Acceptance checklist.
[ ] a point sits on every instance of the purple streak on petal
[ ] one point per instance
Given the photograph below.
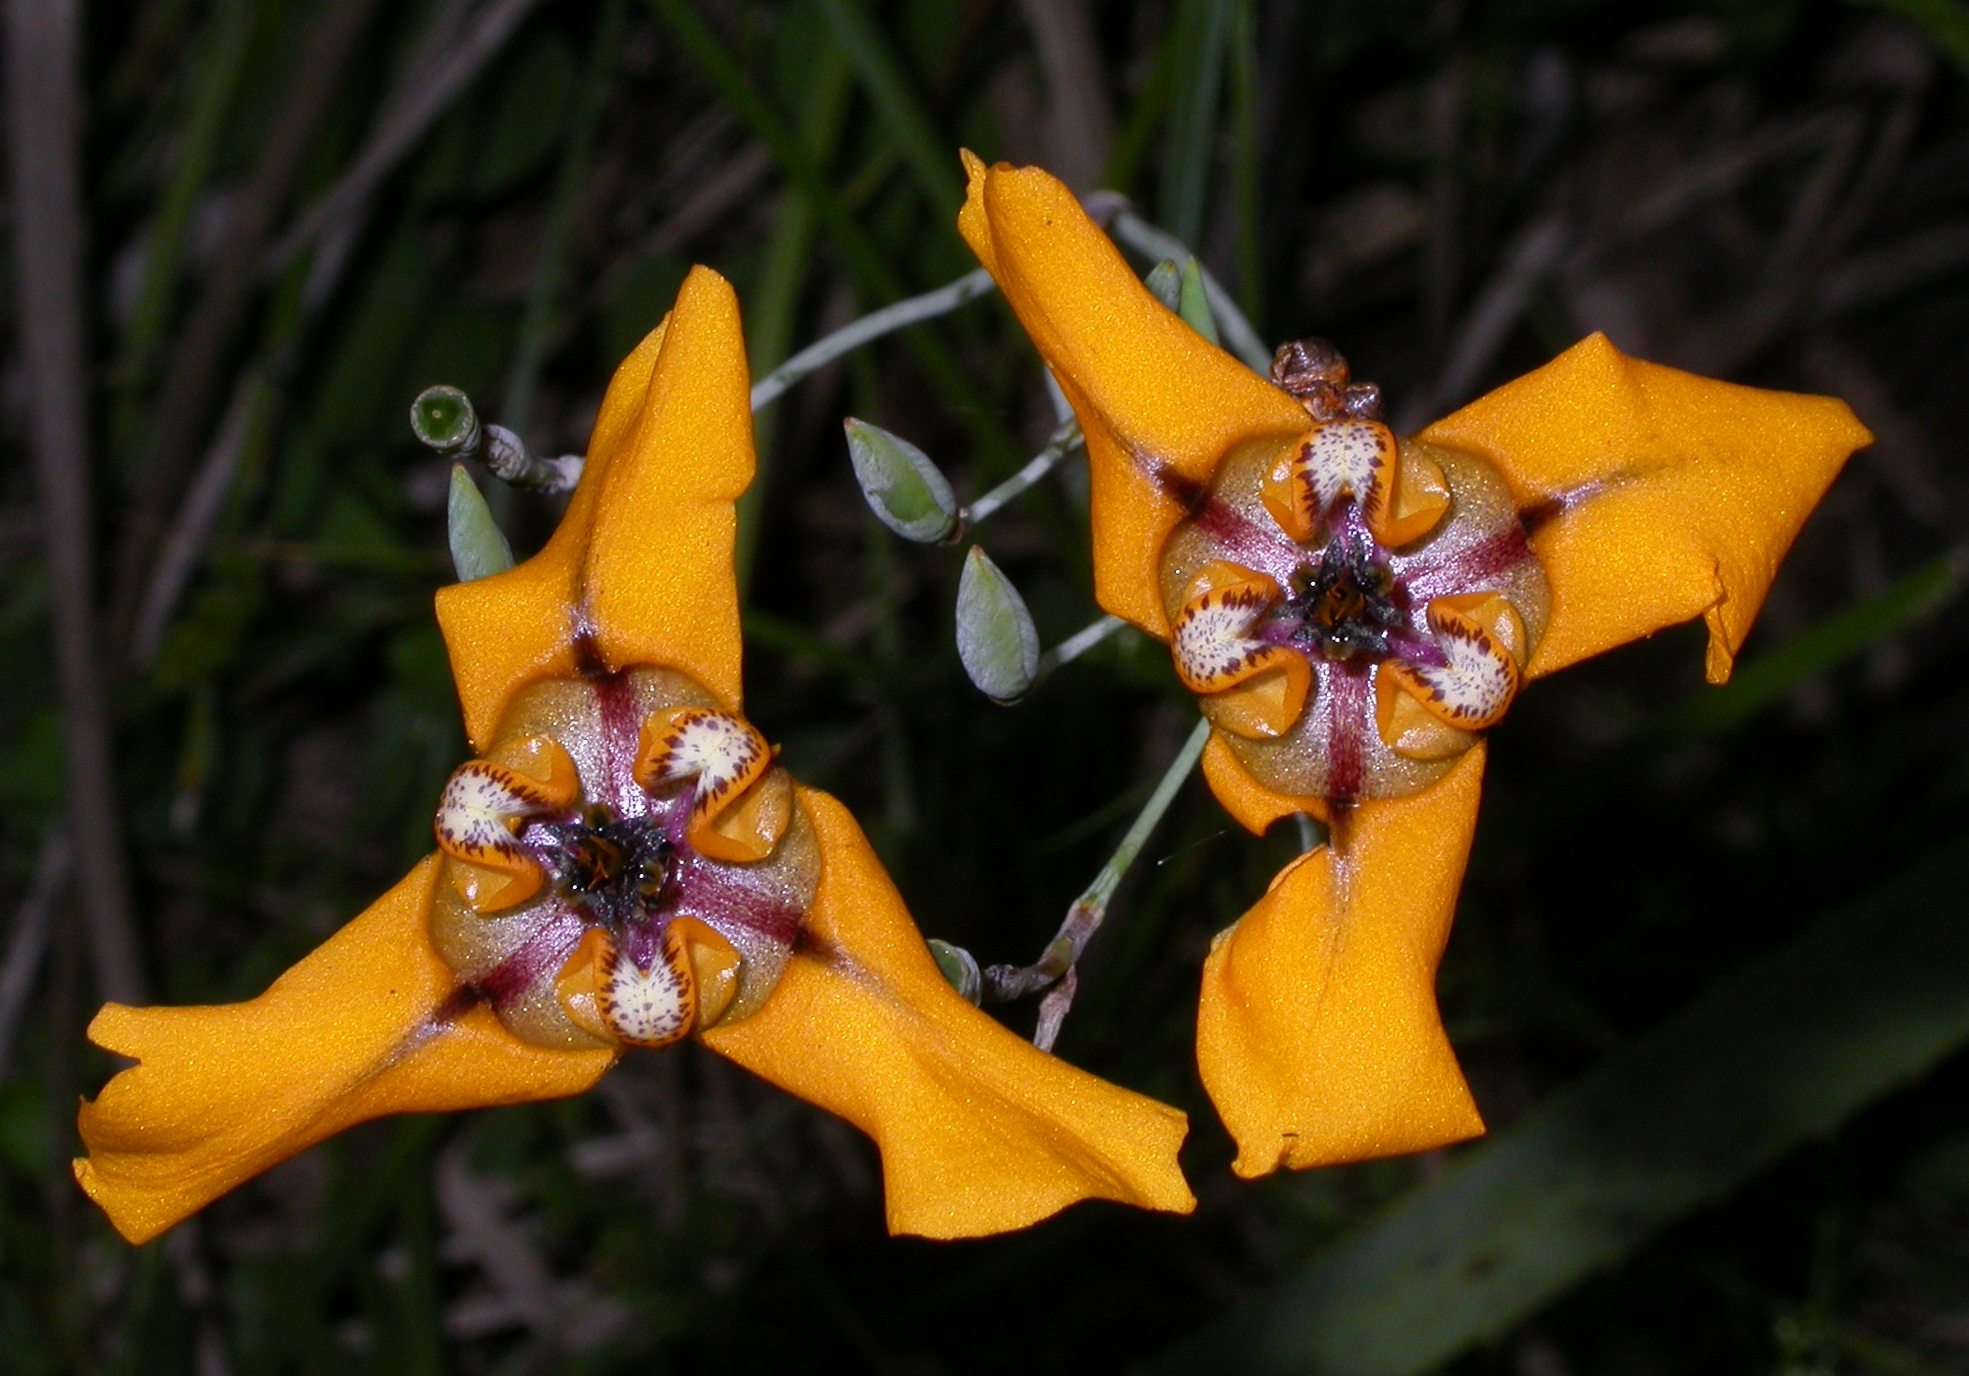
(620, 735)
(1241, 540)
(1471, 568)
(1346, 719)
(540, 957)
(721, 896)
(1418, 648)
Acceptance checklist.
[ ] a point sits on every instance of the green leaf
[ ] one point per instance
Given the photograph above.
(478, 548)
(932, 161)
(1201, 37)
(1193, 303)
(995, 635)
(905, 490)
(1766, 1061)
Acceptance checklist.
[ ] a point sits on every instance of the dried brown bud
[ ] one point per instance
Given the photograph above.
(1314, 371)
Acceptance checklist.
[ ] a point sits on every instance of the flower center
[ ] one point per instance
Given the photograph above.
(611, 865)
(1352, 609)
(1345, 605)
(625, 866)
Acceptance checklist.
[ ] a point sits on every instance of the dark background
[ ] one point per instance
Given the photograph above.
(1768, 191)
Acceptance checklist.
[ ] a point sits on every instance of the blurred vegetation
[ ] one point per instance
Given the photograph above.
(1708, 976)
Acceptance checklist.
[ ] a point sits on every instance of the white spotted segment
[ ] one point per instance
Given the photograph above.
(479, 811)
(1213, 651)
(482, 809)
(654, 1006)
(722, 752)
(1342, 458)
(1474, 689)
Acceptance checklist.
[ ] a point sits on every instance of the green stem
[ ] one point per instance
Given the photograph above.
(872, 326)
(1064, 441)
(1005, 982)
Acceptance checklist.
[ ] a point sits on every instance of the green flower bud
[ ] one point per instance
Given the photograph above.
(995, 635)
(904, 489)
(478, 548)
(443, 418)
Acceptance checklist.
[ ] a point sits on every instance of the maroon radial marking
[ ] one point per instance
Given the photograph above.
(1347, 717)
(714, 894)
(621, 734)
(539, 957)
(1466, 569)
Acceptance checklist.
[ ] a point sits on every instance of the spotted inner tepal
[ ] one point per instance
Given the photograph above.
(1353, 609)
(626, 865)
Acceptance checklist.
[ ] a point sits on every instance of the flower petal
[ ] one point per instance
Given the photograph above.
(1318, 1035)
(1653, 495)
(979, 1132)
(641, 565)
(1251, 805)
(371, 1023)
(1159, 405)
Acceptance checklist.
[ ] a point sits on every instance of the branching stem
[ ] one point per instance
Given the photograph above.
(888, 320)
(1063, 442)
(1056, 964)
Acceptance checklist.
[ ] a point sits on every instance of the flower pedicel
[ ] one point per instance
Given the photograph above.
(625, 865)
(1353, 610)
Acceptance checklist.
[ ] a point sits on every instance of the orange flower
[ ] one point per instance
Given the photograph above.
(625, 865)
(1353, 610)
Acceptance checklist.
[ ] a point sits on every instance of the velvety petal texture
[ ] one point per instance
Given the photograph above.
(979, 1131)
(639, 568)
(1652, 495)
(1318, 1035)
(369, 1024)
(1160, 405)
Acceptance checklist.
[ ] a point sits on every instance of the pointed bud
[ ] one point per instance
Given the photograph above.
(478, 548)
(906, 491)
(1194, 303)
(960, 967)
(443, 418)
(995, 635)
(1165, 283)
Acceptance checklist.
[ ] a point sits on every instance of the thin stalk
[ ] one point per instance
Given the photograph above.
(1152, 242)
(44, 119)
(874, 325)
(1005, 982)
(1077, 644)
(1064, 441)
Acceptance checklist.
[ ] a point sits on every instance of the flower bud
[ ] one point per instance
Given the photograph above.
(478, 548)
(1193, 303)
(960, 967)
(995, 635)
(904, 489)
